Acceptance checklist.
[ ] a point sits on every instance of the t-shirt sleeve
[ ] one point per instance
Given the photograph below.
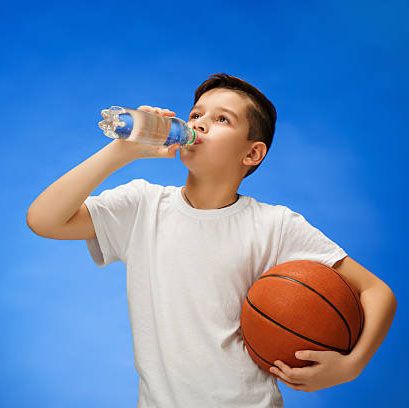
(113, 213)
(300, 240)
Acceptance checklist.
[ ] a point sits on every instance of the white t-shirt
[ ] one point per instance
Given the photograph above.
(188, 273)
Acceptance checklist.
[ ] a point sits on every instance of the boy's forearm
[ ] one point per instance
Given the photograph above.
(61, 200)
(379, 304)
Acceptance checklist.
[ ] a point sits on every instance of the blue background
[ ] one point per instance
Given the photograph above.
(337, 72)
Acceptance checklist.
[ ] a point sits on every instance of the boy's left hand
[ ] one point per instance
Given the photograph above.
(330, 368)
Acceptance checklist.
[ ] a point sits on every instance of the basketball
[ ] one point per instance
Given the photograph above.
(299, 305)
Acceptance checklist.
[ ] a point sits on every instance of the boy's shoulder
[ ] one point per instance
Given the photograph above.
(268, 206)
(274, 207)
(269, 210)
(142, 184)
(151, 185)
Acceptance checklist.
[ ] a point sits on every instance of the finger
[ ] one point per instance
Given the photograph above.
(311, 355)
(170, 151)
(174, 148)
(285, 379)
(146, 108)
(297, 387)
(281, 375)
(283, 367)
(297, 374)
(164, 112)
(286, 372)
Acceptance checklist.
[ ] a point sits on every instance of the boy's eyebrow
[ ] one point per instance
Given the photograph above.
(220, 108)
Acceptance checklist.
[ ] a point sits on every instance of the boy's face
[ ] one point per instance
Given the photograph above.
(223, 135)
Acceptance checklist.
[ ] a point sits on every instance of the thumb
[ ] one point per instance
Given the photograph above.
(173, 149)
(309, 355)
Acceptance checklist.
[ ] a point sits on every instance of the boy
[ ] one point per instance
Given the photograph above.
(193, 252)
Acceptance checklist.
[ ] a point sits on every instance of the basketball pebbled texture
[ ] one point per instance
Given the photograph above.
(299, 305)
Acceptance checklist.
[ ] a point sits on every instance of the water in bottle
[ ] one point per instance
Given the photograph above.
(145, 127)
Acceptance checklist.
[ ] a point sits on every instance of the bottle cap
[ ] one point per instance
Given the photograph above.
(194, 137)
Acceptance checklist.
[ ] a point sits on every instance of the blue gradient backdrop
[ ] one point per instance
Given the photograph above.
(337, 72)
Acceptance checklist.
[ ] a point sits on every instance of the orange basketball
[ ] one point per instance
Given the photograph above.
(299, 305)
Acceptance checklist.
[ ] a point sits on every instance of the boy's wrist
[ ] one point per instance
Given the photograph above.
(124, 151)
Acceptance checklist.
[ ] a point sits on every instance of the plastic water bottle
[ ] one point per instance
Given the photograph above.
(145, 127)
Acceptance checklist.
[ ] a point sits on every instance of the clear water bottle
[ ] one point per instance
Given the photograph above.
(145, 127)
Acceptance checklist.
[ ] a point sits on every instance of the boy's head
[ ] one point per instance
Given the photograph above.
(227, 140)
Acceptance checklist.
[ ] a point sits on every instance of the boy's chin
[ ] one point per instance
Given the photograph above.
(187, 153)
(188, 148)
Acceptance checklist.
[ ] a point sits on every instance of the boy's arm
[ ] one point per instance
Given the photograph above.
(58, 212)
(379, 304)
(332, 368)
(56, 205)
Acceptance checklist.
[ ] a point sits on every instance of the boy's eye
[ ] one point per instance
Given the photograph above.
(192, 116)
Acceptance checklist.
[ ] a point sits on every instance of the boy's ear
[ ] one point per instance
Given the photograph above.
(256, 154)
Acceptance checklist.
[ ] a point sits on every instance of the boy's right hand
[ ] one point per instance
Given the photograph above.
(145, 151)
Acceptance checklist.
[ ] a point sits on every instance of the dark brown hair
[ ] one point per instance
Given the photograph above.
(261, 114)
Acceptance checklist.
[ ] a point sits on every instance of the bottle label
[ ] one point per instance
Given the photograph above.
(124, 132)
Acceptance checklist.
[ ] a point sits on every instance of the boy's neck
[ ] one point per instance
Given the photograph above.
(209, 196)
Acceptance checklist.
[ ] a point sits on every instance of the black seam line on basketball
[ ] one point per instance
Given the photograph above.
(293, 332)
(254, 351)
(353, 294)
(321, 296)
(361, 317)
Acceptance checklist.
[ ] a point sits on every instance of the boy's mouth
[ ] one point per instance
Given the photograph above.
(198, 140)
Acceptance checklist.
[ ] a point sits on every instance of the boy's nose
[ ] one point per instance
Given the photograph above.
(198, 127)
